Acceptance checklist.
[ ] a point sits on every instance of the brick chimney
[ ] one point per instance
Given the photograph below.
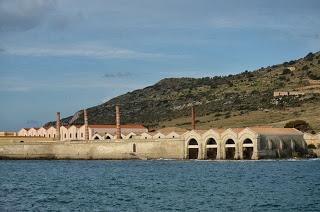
(58, 126)
(118, 122)
(86, 128)
(193, 117)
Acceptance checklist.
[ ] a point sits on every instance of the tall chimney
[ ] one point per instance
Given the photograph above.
(86, 129)
(58, 126)
(193, 121)
(118, 122)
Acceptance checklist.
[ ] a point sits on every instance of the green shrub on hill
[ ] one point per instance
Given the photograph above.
(301, 125)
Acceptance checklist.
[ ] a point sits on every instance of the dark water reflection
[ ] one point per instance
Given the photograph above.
(160, 185)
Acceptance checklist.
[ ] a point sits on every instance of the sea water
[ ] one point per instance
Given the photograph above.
(57, 185)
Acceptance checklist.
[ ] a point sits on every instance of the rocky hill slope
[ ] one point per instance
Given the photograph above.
(221, 101)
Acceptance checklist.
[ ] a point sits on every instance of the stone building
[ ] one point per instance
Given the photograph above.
(244, 143)
(134, 141)
(77, 132)
(312, 139)
(23, 132)
(7, 133)
(32, 132)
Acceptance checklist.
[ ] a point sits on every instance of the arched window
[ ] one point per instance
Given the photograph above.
(65, 135)
(247, 150)
(81, 135)
(230, 141)
(70, 135)
(108, 137)
(193, 149)
(193, 142)
(211, 141)
(247, 141)
(76, 135)
(49, 135)
(134, 148)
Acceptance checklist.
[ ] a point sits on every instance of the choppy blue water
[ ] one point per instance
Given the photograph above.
(160, 185)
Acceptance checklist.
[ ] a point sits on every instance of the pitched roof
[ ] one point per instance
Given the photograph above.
(168, 130)
(219, 130)
(275, 131)
(36, 128)
(200, 131)
(237, 130)
(68, 126)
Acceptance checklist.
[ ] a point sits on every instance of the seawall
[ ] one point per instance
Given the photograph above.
(115, 150)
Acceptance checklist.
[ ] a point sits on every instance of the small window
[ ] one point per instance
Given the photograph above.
(65, 135)
(70, 135)
(173, 136)
(76, 135)
(54, 135)
(81, 135)
(49, 135)
(134, 148)
(145, 137)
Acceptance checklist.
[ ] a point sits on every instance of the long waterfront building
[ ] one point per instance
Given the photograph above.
(77, 132)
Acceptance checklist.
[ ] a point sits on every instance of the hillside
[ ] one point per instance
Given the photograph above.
(222, 101)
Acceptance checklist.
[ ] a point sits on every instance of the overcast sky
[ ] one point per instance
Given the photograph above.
(64, 55)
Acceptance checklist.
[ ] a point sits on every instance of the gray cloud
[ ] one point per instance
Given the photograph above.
(33, 123)
(87, 50)
(24, 15)
(118, 75)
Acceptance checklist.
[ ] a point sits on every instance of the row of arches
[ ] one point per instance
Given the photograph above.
(212, 148)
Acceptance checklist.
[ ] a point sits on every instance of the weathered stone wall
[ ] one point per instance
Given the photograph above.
(317, 152)
(312, 139)
(24, 139)
(169, 149)
(281, 146)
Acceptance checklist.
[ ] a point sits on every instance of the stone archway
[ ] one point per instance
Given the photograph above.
(211, 149)
(230, 149)
(193, 149)
(247, 149)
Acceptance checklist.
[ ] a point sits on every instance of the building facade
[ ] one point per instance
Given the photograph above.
(244, 143)
(77, 132)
